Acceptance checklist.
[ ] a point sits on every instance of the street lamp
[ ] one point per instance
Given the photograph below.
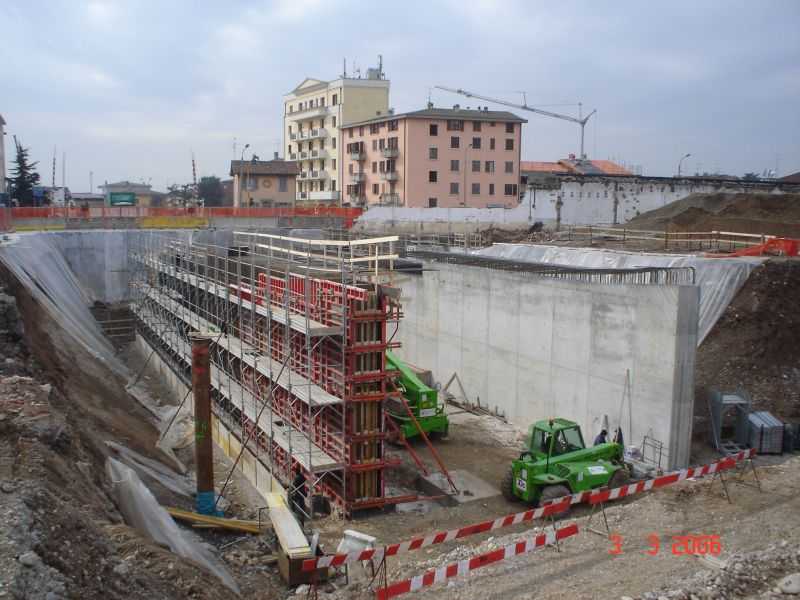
(680, 162)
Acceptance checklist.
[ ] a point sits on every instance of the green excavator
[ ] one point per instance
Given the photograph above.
(422, 400)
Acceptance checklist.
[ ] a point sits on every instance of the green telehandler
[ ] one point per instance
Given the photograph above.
(422, 400)
(557, 463)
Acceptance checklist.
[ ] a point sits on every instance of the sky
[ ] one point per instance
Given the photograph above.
(130, 89)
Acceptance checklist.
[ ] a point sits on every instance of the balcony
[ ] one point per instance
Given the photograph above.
(390, 199)
(390, 152)
(294, 156)
(358, 177)
(311, 134)
(309, 113)
(389, 175)
(312, 175)
(329, 196)
(359, 156)
(318, 153)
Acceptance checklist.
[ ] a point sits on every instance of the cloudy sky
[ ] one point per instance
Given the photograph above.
(130, 89)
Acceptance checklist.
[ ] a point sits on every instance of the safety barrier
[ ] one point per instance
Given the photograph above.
(555, 507)
(463, 567)
(145, 216)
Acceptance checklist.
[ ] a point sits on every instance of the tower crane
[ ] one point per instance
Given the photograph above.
(545, 113)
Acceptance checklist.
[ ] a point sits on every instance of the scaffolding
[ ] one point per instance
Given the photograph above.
(299, 331)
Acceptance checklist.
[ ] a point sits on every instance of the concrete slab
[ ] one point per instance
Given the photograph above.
(470, 487)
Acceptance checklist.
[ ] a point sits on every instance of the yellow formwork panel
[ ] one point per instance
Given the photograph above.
(173, 222)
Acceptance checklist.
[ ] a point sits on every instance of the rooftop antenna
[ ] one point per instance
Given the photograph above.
(430, 100)
(64, 170)
(54, 167)
(344, 68)
(234, 147)
(380, 66)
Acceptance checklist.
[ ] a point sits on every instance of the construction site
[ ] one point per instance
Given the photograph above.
(272, 412)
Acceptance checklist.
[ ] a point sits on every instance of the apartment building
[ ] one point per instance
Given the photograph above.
(314, 113)
(436, 157)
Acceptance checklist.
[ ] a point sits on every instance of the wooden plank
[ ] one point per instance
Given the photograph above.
(290, 535)
(220, 522)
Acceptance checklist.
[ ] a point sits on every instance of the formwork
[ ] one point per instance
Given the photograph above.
(299, 330)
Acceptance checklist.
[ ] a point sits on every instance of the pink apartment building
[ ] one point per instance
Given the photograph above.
(437, 157)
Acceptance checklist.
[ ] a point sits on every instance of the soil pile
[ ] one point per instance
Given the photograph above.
(754, 344)
(744, 213)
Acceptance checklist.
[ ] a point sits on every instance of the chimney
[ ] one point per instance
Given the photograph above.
(430, 105)
(275, 156)
(456, 107)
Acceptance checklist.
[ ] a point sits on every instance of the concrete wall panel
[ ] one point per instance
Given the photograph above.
(538, 347)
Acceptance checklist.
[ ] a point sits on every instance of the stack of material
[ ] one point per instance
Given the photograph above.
(766, 433)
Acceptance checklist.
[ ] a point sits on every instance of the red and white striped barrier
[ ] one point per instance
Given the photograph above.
(604, 495)
(463, 567)
(555, 507)
(377, 554)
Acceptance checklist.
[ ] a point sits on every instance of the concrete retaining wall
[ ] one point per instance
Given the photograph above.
(538, 347)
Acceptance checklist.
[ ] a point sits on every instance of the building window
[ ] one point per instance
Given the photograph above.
(491, 189)
(350, 168)
(374, 167)
(476, 166)
(333, 142)
(333, 185)
(454, 165)
(433, 129)
(509, 128)
(376, 189)
(433, 176)
(381, 143)
(454, 188)
(491, 143)
(510, 144)
(374, 144)
(432, 202)
(290, 129)
(374, 128)
(511, 189)
(455, 125)
(489, 166)
(291, 108)
(333, 121)
(476, 126)
(335, 100)
(350, 132)
(455, 142)
(393, 125)
(476, 143)
(476, 189)
(361, 131)
(333, 163)
(509, 166)
(283, 186)
(433, 153)
(392, 143)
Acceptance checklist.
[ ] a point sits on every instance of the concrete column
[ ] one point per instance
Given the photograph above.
(203, 444)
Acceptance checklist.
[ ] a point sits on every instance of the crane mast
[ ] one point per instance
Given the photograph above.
(545, 113)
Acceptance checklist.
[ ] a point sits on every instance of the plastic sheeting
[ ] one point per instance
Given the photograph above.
(37, 262)
(142, 512)
(719, 279)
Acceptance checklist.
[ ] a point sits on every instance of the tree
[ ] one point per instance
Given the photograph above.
(210, 190)
(750, 177)
(23, 177)
(180, 194)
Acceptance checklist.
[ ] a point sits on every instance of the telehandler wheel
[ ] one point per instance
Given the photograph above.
(619, 478)
(507, 486)
(554, 492)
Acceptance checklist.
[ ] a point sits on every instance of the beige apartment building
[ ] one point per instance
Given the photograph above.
(435, 157)
(314, 113)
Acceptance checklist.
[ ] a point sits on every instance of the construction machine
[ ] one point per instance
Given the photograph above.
(418, 399)
(556, 463)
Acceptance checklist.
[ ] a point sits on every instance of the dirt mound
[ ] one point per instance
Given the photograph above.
(754, 344)
(745, 213)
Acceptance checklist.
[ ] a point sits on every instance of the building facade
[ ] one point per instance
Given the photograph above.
(264, 183)
(314, 113)
(126, 193)
(436, 157)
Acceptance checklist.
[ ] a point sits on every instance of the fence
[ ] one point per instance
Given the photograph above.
(669, 240)
(44, 217)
